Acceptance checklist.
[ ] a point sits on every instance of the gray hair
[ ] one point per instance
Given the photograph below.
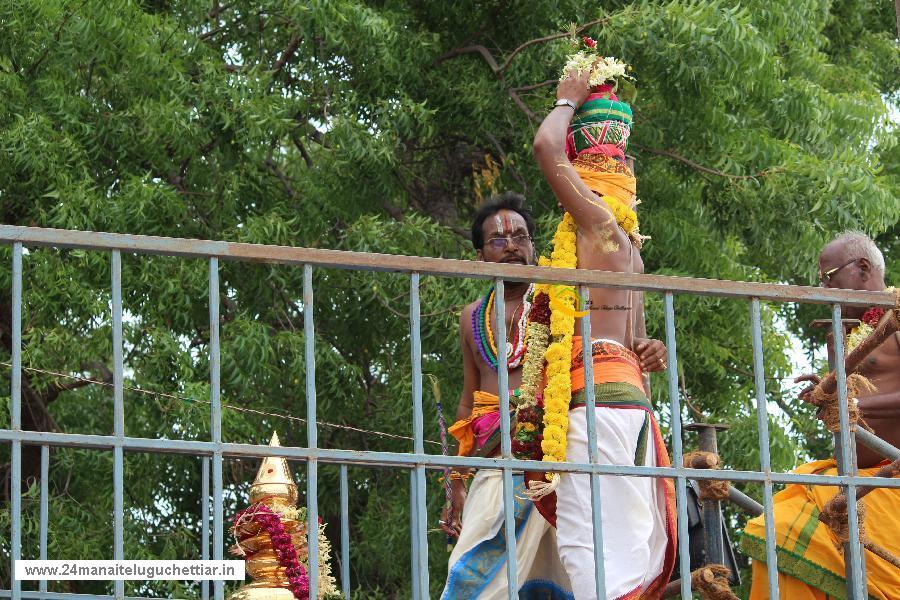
(859, 245)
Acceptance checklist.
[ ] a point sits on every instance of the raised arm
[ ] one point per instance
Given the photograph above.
(577, 199)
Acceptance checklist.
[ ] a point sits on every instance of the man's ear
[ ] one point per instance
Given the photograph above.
(865, 268)
(479, 255)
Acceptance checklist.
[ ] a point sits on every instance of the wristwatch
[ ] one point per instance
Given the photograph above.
(565, 102)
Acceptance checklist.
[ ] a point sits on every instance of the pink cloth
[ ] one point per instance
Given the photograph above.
(605, 149)
(484, 426)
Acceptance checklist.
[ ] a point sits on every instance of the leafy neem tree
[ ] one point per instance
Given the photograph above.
(761, 131)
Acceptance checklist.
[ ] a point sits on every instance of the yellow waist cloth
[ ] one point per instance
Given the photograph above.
(484, 404)
(809, 564)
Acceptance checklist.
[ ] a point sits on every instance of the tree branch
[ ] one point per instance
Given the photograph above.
(302, 149)
(211, 33)
(705, 169)
(217, 9)
(286, 54)
(285, 182)
(478, 48)
(514, 94)
(534, 86)
(492, 62)
(56, 37)
(549, 38)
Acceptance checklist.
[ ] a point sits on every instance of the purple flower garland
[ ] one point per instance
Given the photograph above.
(298, 578)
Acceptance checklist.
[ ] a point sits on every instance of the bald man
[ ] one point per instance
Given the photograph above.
(853, 262)
(810, 566)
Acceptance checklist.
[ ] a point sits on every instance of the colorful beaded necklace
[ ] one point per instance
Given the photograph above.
(483, 333)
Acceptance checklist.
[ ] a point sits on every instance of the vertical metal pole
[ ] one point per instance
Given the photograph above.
(204, 521)
(45, 508)
(509, 523)
(345, 533)
(420, 507)
(712, 510)
(856, 585)
(587, 349)
(118, 419)
(312, 442)
(762, 420)
(414, 537)
(15, 483)
(677, 452)
(215, 399)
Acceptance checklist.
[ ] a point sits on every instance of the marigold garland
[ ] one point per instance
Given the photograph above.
(542, 419)
(626, 218)
(558, 357)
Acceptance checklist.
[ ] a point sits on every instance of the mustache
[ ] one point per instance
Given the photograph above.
(515, 259)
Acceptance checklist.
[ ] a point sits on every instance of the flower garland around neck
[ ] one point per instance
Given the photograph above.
(866, 327)
(483, 334)
(557, 393)
(527, 435)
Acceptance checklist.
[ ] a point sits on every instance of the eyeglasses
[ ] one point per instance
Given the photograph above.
(825, 278)
(499, 243)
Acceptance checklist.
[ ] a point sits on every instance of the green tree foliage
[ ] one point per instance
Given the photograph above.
(762, 129)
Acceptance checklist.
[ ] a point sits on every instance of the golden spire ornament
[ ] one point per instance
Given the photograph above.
(271, 536)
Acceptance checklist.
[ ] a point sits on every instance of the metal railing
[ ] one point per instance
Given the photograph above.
(213, 452)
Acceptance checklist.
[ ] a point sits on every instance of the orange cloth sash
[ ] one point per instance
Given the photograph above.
(484, 404)
(613, 363)
(618, 185)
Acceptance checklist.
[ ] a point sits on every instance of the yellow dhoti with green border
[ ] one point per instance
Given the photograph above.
(810, 565)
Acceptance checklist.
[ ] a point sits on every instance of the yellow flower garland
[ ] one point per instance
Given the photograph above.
(626, 218)
(857, 335)
(558, 391)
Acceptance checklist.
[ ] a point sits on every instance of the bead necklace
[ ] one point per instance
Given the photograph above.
(483, 334)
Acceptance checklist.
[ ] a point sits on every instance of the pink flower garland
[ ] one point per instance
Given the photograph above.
(298, 579)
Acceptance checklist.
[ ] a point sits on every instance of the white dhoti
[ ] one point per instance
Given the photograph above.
(633, 509)
(478, 563)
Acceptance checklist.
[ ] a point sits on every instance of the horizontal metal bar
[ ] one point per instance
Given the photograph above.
(62, 238)
(751, 506)
(70, 596)
(431, 461)
(873, 442)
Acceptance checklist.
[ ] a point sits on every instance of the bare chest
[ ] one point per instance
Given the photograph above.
(882, 366)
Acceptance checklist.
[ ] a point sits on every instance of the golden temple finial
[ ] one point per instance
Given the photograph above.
(271, 537)
(274, 480)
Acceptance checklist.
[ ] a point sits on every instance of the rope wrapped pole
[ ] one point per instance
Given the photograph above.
(710, 582)
(711, 492)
